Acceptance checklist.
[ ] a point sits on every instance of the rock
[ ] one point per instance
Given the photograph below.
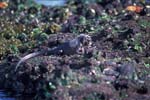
(108, 78)
(110, 72)
(18, 87)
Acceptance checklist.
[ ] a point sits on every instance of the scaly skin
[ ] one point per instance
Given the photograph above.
(68, 48)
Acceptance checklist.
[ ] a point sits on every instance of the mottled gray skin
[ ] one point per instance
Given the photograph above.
(128, 70)
(68, 48)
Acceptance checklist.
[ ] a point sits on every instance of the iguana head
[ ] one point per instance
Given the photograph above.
(81, 43)
(85, 40)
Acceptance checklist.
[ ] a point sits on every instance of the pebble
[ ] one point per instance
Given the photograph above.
(108, 79)
(110, 72)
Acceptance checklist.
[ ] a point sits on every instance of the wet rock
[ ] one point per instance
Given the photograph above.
(32, 10)
(53, 28)
(12, 58)
(18, 87)
(23, 37)
(91, 13)
(127, 16)
(105, 2)
(143, 12)
(111, 64)
(142, 90)
(43, 67)
(121, 84)
(106, 89)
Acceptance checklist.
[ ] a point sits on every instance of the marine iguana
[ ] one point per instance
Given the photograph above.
(67, 48)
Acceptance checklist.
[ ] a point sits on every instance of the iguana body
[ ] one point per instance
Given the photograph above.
(68, 48)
